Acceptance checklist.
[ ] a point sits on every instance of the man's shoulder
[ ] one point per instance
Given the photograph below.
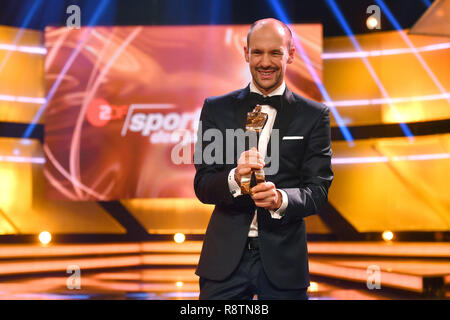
(309, 104)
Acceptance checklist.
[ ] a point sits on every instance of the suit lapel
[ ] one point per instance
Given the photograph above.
(242, 107)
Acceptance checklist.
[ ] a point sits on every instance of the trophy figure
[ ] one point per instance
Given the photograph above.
(256, 120)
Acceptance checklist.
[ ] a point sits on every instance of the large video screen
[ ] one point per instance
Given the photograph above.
(123, 99)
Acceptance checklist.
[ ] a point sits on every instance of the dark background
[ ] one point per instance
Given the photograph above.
(37, 14)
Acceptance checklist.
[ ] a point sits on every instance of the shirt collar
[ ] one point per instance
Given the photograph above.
(277, 92)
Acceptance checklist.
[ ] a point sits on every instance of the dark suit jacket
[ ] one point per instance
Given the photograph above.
(304, 174)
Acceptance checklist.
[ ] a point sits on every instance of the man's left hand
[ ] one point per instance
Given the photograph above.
(266, 196)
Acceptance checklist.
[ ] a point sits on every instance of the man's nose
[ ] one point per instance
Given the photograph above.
(265, 61)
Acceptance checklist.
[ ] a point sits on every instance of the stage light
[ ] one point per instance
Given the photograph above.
(66, 67)
(282, 15)
(19, 159)
(371, 23)
(179, 237)
(45, 237)
(383, 52)
(22, 99)
(406, 39)
(24, 49)
(313, 287)
(348, 31)
(387, 235)
(427, 3)
(179, 284)
(413, 157)
(9, 184)
(30, 14)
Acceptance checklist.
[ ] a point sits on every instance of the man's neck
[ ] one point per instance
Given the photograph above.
(277, 91)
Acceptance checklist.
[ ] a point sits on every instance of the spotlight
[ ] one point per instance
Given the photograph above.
(179, 237)
(179, 284)
(374, 20)
(387, 235)
(45, 237)
(372, 23)
(313, 287)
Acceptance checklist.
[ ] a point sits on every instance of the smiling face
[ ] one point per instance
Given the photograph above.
(268, 53)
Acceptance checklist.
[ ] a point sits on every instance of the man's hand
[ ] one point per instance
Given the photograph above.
(266, 196)
(250, 159)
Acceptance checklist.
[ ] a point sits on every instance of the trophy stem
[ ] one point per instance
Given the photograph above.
(256, 121)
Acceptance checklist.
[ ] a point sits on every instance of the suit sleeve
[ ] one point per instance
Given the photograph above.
(211, 179)
(316, 172)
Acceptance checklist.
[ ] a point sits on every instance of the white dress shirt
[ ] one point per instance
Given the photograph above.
(262, 148)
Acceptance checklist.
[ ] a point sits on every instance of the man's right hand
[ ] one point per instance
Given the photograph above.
(250, 159)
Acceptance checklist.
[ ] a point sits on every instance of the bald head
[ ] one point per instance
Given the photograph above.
(276, 26)
(268, 52)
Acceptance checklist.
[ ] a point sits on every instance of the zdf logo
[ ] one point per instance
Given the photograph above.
(100, 112)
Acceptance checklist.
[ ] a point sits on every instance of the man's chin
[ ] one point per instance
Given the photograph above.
(267, 85)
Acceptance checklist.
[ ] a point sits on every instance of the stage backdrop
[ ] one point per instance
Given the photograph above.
(121, 98)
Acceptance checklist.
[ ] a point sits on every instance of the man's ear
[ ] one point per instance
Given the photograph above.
(246, 53)
(291, 55)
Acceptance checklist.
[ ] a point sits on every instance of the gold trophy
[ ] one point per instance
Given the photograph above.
(256, 120)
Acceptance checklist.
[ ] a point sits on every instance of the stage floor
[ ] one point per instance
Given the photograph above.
(162, 284)
(165, 270)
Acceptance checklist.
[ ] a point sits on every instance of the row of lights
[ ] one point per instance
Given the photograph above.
(347, 160)
(45, 237)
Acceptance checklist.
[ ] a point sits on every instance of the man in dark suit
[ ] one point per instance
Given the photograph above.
(256, 244)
